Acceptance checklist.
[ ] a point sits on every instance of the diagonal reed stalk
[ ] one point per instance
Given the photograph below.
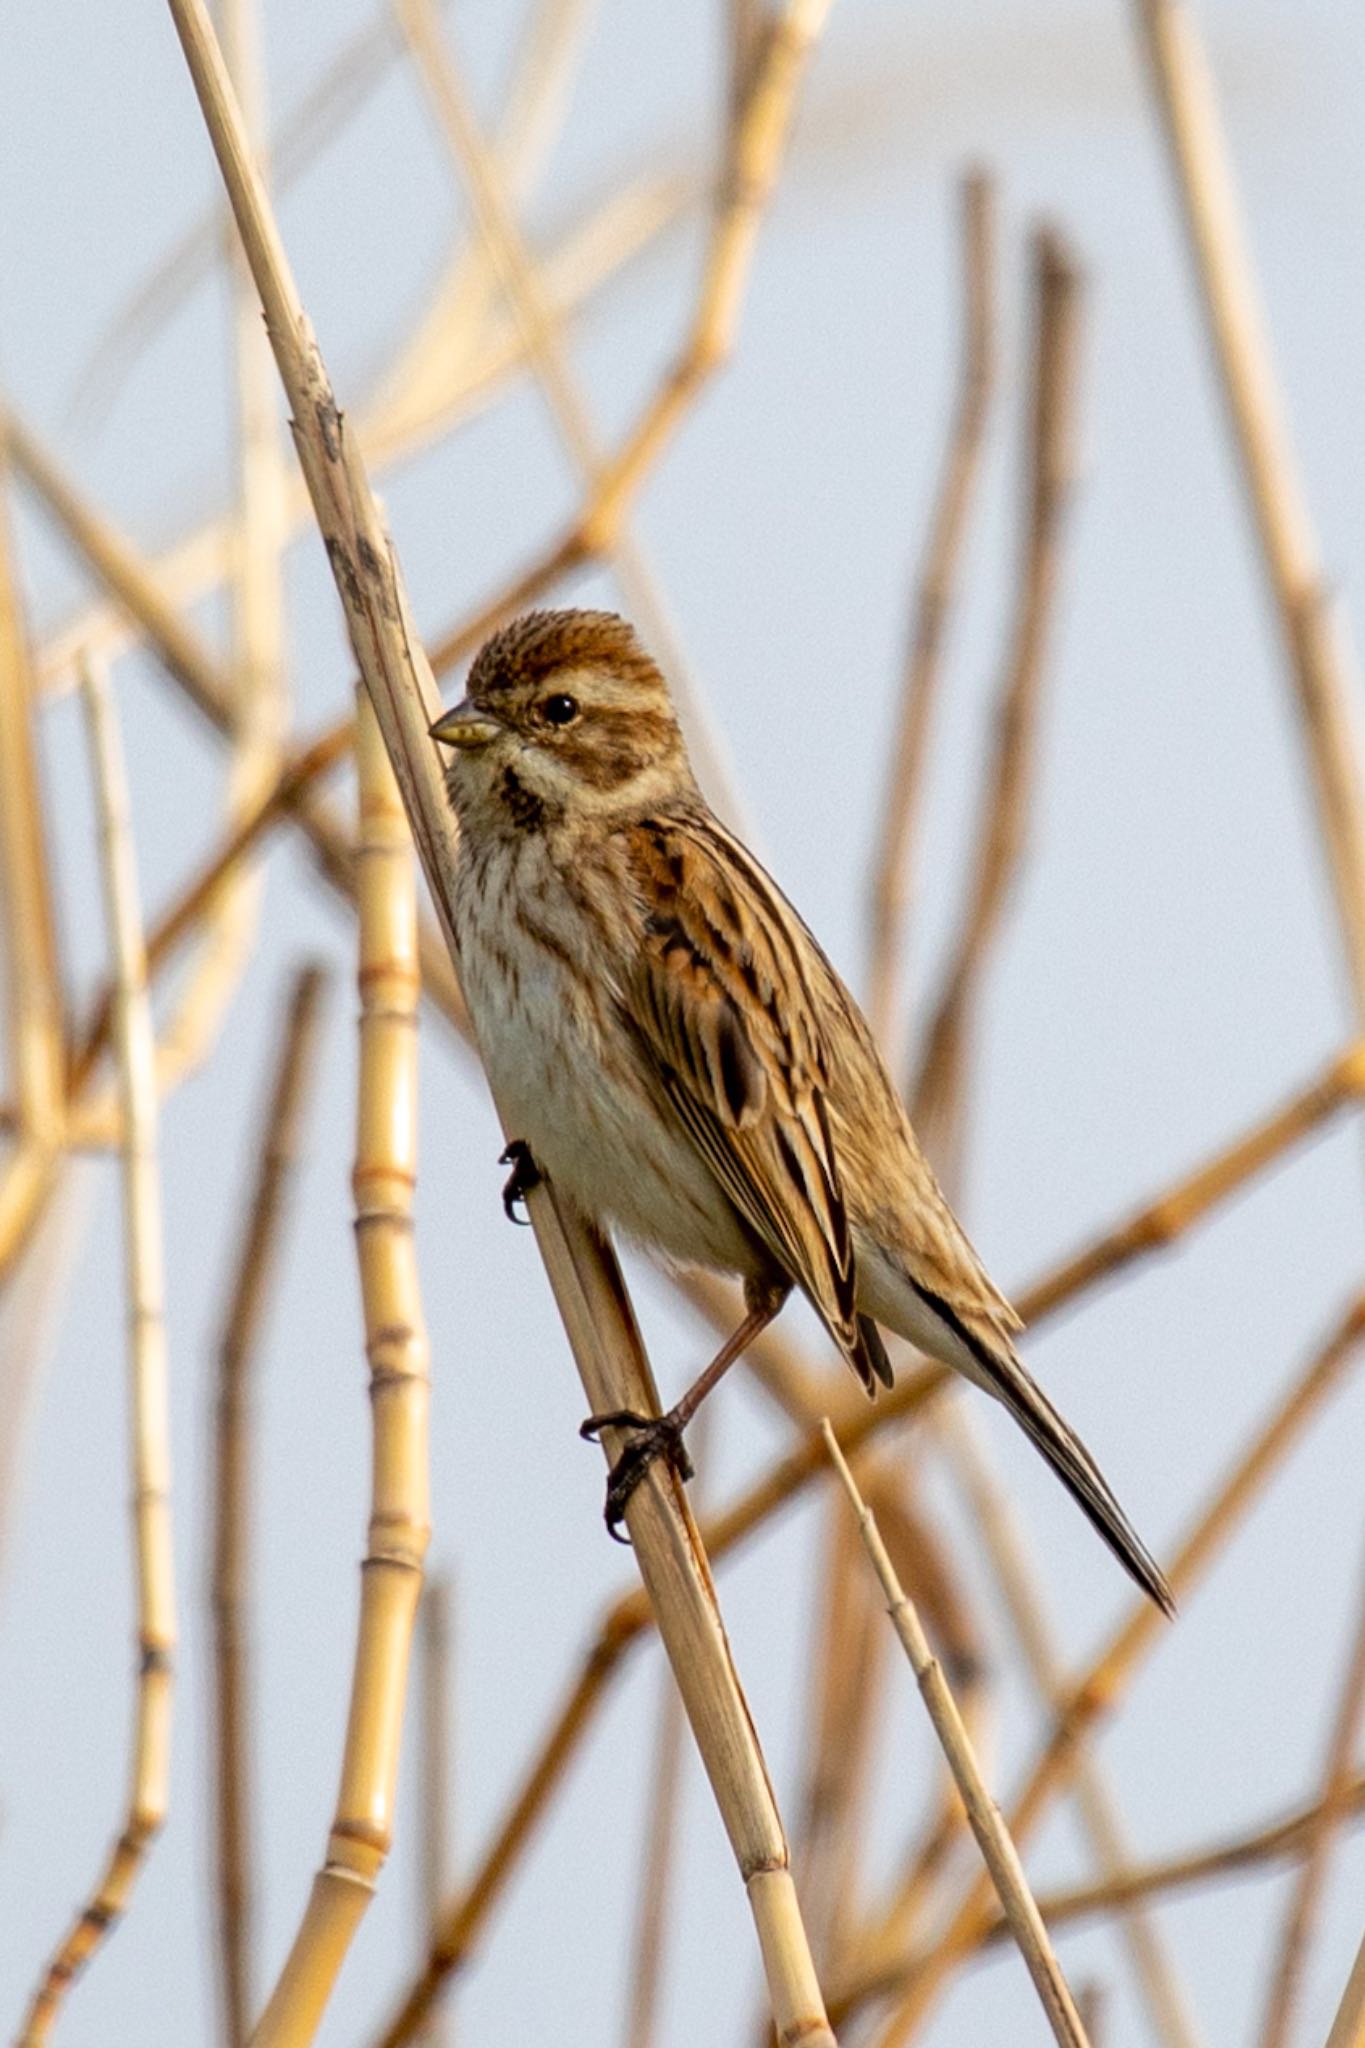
(148, 1396)
(229, 1588)
(997, 1850)
(583, 1275)
(1182, 84)
(1308, 1891)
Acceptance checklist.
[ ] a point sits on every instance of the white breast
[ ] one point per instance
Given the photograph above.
(545, 1005)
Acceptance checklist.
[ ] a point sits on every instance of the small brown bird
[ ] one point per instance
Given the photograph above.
(677, 1054)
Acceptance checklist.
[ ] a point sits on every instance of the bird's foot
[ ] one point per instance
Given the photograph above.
(524, 1176)
(652, 1436)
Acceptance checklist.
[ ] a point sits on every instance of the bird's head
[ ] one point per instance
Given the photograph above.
(565, 715)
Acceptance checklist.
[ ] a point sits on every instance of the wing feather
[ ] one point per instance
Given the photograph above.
(732, 1037)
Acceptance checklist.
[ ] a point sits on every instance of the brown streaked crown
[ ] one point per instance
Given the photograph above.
(536, 646)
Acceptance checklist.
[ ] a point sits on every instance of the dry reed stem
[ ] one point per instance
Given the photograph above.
(936, 1093)
(998, 1851)
(582, 1272)
(1168, 2008)
(148, 1402)
(428, 400)
(1348, 2028)
(340, 89)
(1281, 1840)
(438, 1698)
(645, 1983)
(661, 1831)
(847, 1671)
(1161, 1222)
(278, 1144)
(34, 1025)
(255, 682)
(1185, 93)
(396, 1349)
(1097, 1691)
(529, 303)
(1310, 1884)
(893, 879)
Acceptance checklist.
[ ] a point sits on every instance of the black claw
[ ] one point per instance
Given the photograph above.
(524, 1176)
(653, 1436)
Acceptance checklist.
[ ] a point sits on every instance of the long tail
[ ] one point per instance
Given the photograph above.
(1079, 1473)
(1002, 1373)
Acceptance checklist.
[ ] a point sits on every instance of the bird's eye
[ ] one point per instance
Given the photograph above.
(560, 709)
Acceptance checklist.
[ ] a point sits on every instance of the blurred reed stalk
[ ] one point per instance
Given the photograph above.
(1183, 87)
(396, 1349)
(277, 1148)
(936, 1094)
(997, 1850)
(144, 1279)
(893, 880)
(1348, 2028)
(437, 1638)
(583, 1275)
(1309, 1890)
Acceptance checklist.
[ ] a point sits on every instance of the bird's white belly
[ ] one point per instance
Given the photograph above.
(568, 1088)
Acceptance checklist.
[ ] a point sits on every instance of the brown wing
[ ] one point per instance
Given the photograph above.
(721, 1001)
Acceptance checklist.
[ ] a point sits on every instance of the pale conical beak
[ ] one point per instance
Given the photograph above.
(467, 725)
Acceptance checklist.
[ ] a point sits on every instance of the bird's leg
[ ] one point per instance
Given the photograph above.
(524, 1176)
(661, 1436)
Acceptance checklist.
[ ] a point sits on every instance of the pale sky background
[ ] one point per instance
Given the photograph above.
(1170, 968)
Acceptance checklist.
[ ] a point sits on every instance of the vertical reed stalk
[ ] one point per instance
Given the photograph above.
(893, 880)
(438, 1706)
(229, 1588)
(148, 1399)
(396, 1347)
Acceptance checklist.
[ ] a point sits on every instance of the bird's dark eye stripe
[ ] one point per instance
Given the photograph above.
(561, 709)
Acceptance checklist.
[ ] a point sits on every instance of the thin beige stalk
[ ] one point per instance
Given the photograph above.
(1348, 2028)
(437, 1637)
(229, 1580)
(893, 878)
(148, 1402)
(33, 990)
(645, 1982)
(256, 693)
(357, 69)
(396, 1348)
(936, 1095)
(997, 1850)
(1308, 1892)
(1160, 1222)
(582, 1272)
(1164, 1996)
(1326, 689)
(1097, 1691)
(1278, 1841)
(511, 261)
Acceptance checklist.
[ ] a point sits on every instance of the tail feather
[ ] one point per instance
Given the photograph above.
(997, 1368)
(1079, 1473)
